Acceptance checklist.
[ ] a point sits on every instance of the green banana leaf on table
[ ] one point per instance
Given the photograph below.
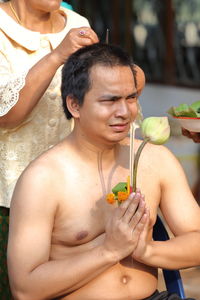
(186, 110)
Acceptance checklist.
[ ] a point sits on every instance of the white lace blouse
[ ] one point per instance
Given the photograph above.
(20, 49)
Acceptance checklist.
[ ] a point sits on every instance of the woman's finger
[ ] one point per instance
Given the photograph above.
(86, 32)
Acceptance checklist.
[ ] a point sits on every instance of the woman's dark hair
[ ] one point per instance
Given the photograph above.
(76, 71)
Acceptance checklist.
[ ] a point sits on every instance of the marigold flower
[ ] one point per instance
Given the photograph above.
(110, 198)
(122, 196)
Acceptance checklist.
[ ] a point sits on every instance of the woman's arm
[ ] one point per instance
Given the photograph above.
(195, 136)
(40, 75)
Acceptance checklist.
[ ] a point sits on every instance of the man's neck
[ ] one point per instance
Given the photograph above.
(90, 150)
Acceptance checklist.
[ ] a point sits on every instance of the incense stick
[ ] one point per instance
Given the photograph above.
(131, 154)
(107, 36)
(133, 128)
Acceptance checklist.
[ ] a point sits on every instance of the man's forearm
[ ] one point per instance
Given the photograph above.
(177, 253)
(56, 278)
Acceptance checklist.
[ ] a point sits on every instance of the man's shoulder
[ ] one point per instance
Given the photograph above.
(159, 156)
(47, 164)
(159, 150)
(149, 149)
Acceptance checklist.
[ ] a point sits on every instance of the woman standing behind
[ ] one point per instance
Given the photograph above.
(36, 37)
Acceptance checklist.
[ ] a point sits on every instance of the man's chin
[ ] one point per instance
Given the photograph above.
(118, 137)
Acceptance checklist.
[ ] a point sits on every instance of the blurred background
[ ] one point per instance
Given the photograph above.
(163, 37)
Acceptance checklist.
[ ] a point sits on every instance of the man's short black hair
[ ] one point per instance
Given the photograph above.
(76, 71)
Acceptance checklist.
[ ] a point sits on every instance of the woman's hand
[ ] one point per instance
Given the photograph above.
(195, 136)
(76, 38)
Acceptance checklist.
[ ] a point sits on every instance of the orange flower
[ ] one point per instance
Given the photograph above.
(122, 196)
(110, 198)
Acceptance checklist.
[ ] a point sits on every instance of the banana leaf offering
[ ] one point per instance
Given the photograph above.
(186, 110)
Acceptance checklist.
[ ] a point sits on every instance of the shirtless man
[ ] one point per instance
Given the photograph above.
(66, 242)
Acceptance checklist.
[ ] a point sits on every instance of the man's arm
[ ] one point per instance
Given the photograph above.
(182, 215)
(33, 211)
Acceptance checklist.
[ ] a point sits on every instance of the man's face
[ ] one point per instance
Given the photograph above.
(110, 105)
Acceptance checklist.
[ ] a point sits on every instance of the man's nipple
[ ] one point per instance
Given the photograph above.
(81, 235)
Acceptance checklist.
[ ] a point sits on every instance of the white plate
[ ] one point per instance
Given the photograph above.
(191, 124)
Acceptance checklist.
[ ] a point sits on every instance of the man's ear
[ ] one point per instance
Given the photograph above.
(140, 78)
(73, 106)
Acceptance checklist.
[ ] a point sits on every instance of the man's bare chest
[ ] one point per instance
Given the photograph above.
(83, 212)
(81, 219)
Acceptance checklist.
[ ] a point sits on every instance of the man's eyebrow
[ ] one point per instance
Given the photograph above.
(116, 97)
(133, 95)
(110, 97)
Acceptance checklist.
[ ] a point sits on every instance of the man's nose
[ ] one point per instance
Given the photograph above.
(122, 109)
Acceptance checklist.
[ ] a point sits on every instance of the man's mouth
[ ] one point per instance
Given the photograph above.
(120, 127)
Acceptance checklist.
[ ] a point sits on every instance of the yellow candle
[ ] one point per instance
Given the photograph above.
(128, 185)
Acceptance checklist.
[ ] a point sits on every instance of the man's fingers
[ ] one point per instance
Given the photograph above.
(121, 210)
(132, 208)
(139, 213)
(142, 226)
(145, 220)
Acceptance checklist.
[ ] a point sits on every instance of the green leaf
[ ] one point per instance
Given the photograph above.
(183, 110)
(171, 112)
(196, 107)
(120, 187)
